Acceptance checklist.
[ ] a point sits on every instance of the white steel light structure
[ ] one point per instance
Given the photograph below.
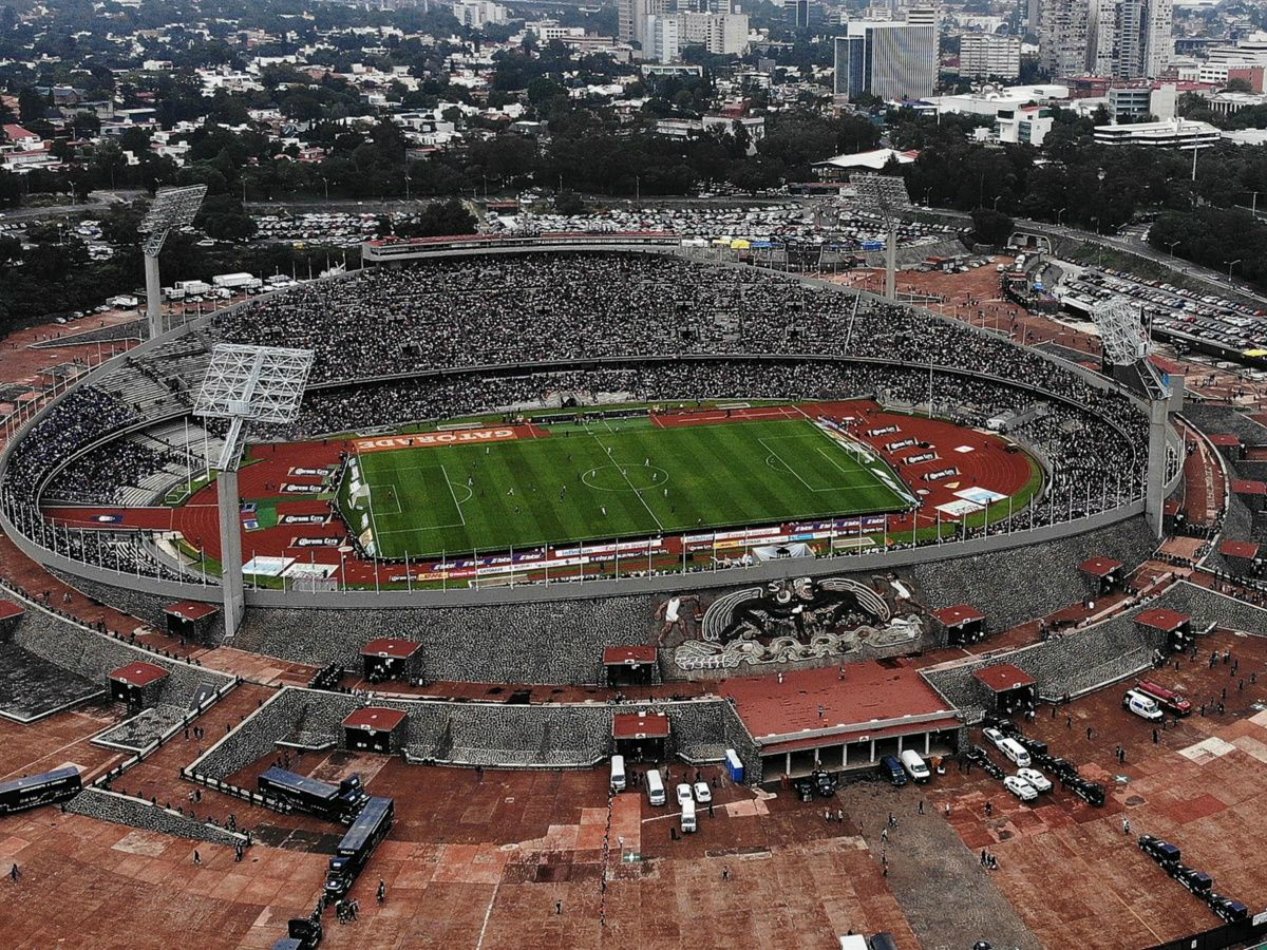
(172, 208)
(885, 196)
(245, 384)
(1125, 338)
(1123, 335)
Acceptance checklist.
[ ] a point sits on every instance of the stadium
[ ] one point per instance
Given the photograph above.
(537, 502)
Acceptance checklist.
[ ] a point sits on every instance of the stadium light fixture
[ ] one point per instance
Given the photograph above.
(245, 384)
(172, 208)
(886, 197)
(1123, 335)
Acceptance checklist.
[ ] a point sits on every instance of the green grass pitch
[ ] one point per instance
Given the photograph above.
(608, 480)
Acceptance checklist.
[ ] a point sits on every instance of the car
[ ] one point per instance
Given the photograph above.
(1141, 705)
(891, 770)
(992, 770)
(1227, 908)
(684, 793)
(1163, 852)
(703, 794)
(1020, 788)
(1063, 769)
(976, 754)
(1036, 778)
(804, 789)
(1196, 881)
(1002, 724)
(994, 736)
(825, 784)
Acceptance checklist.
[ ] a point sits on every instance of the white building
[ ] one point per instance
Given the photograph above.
(1176, 133)
(1028, 125)
(478, 13)
(723, 34)
(662, 42)
(982, 55)
(891, 61)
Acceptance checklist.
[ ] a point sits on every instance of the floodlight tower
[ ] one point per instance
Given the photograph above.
(884, 195)
(245, 384)
(1124, 339)
(172, 208)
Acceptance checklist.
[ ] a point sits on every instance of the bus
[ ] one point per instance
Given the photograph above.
(371, 827)
(43, 789)
(334, 802)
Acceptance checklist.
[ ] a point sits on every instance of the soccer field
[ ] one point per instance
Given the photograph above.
(607, 480)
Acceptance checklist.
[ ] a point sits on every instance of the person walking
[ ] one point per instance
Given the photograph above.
(382, 891)
(197, 857)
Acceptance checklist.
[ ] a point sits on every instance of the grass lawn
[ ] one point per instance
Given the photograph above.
(611, 479)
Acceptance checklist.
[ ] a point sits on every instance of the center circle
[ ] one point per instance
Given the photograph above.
(625, 478)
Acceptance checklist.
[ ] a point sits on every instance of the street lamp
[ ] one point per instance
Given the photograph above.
(1059, 215)
(996, 202)
(1229, 269)
(326, 182)
(1172, 245)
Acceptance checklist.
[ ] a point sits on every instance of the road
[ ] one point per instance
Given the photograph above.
(97, 200)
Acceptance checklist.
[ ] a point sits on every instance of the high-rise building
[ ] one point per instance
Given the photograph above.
(723, 34)
(1062, 41)
(662, 39)
(1122, 39)
(985, 55)
(800, 13)
(891, 61)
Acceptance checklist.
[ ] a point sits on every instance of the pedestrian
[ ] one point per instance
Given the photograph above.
(1156, 737)
(1069, 722)
(884, 835)
(197, 857)
(989, 809)
(558, 908)
(1088, 732)
(920, 810)
(1126, 826)
(983, 857)
(14, 873)
(725, 874)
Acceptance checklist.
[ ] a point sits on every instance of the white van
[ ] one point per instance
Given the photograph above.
(689, 824)
(618, 773)
(655, 787)
(1143, 706)
(915, 766)
(1016, 752)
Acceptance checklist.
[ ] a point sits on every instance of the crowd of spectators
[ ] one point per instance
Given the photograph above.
(767, 333)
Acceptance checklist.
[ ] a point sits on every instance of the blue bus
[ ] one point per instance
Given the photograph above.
(371, 827)
(32, 791)
(334, 802)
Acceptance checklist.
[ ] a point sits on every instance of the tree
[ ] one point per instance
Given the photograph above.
(991, 227)
(440, 218)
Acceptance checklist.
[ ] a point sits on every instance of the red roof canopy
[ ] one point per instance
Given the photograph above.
(958, 615)
(1003, 677)
(629, 656)
(375, 719)
(837, 739)
(1248, 486)
(640, 726)
(1160, 618)
(1243, 549)
(190, 610)
(391, 646)
(139, 674)
(9, 609)
(1099, 566)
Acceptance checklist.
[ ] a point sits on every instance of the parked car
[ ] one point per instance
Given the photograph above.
(1036, 778)
(1163, 852)
(804, 789)
(1143, 706)
(703, 794)
(891, 770)
(1020, 788)
(824, 784)
(993, 736)
(1003, 725)
(684, 793)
